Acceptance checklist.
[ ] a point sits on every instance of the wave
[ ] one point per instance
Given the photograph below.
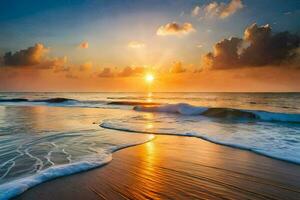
(14, 100)
(16, 187)
(54, 100)
(228, 113)
(59, 101)
(180, 108)
(51, 100)
(263, 152)
(133, 103)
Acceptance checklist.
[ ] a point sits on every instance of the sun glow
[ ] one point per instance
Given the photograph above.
(149, 78)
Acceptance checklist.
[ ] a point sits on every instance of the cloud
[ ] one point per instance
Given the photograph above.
(225, 53)
(175, 29)
(106, 73)
(267, 48)
(84, 45)
(87, 66)
(26, 57)
(177, 67)
(132, 71)
(57, 64)
(136, 45)
(259, 47)
(34, 57)
(196, 11)
(219, 10)
(125, 72)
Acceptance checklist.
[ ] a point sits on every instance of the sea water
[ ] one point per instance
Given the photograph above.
(48, 135)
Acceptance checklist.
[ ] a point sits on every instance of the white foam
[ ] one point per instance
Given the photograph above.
(180, 108)
(276, 154)
(16, 187)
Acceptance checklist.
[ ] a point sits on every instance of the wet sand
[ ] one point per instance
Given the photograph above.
(173, 167)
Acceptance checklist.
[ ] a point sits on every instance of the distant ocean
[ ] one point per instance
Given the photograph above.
(48, 135)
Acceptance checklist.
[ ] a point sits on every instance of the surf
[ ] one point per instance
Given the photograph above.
(226, 113)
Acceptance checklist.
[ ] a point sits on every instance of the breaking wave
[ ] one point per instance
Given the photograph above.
(229, 113)
(260, 147)
(51, 100)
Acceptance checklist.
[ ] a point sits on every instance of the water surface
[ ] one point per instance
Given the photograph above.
(47, 135)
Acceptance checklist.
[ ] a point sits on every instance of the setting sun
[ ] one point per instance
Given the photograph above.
(149, 78)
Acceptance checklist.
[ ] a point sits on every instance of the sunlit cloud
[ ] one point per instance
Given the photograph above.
(174, 28)
(57, 64)
(218, 10)
(34, 57)
(136, 45)
(132, 71)
(26, 57)
(177, 67)
(87, 66)
(106, 73)
(259, 47)
(84, 45)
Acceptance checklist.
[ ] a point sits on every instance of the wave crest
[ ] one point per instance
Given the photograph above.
(228, 113)
(50, 100)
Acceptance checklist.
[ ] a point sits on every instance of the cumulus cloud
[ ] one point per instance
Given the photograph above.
(57, 64)
(34, 57)
(219, 10)
(106, 73)
(177, 67)
(132, 71)
(136, 44)
(26, 57)
(125, 72)
(259, 47)
(84, 45)
(87, 66)
(174, 28)
(267, 48)
(225, 53)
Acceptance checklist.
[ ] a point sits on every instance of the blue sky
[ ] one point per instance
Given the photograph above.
(61, 25)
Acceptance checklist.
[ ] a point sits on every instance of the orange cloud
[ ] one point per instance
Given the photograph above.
(87, 66)
(220, 10)
(84, 45)
(106, 73)
(26, 57)
(132, 71)
(177, 67)
(136, 44)
(34, 57)
(175, 29)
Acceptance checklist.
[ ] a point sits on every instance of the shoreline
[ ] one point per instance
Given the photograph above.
(205, 139)
(178, 167)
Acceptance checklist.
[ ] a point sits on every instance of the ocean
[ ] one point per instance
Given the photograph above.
(48, 135)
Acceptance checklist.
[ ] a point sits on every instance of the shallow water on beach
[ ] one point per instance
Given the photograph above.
(48, 135)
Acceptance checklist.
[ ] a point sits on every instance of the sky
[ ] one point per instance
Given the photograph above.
(187, 45)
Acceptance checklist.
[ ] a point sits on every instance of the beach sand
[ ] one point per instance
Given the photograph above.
(173, 167)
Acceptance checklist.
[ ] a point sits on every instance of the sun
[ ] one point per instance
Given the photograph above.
(149, 78)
